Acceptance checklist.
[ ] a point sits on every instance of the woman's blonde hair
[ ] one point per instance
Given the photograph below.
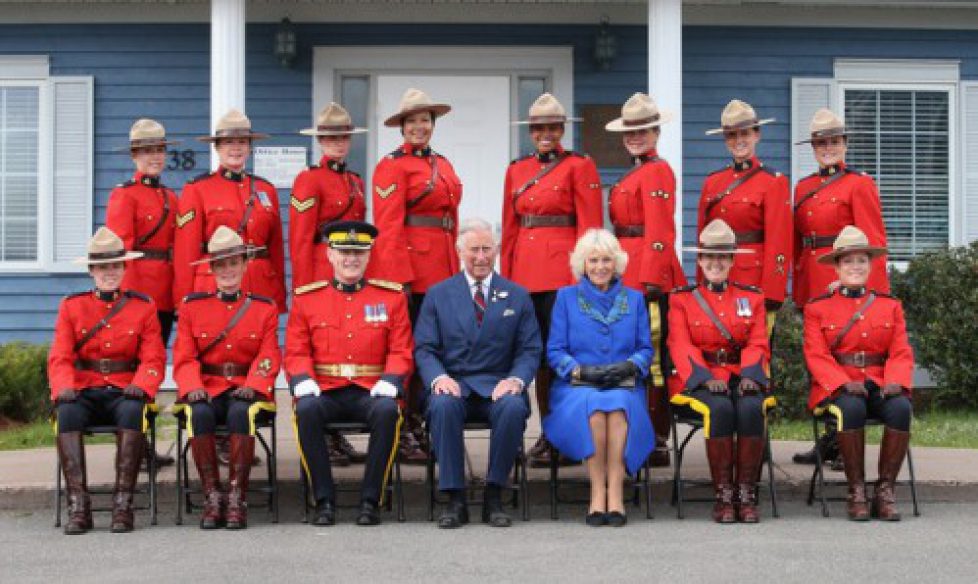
(601, 241)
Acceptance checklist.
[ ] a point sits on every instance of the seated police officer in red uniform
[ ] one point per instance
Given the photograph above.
(719, 345)
(861, 365)
(225, 361)
(348, 352)
(105, 364)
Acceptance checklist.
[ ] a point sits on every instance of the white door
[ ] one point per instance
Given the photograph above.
(474, 136)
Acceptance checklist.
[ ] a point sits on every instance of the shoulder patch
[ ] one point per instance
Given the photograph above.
(197, 296)
(138, 295)
(386, 284)
(688, 288)
(199, 177)
(186, 218)
(302, 206)
(746, 287)
(261, 298)
(311, 287)
(825, 296)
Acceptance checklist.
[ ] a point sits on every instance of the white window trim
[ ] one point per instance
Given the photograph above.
(45, 148)
(329, 63)
(955, 194)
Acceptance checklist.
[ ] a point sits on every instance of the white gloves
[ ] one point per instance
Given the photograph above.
(306, 387)
(383, 389)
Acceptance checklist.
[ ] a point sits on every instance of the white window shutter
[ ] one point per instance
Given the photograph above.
(808, 95)
(72, 169)
(969, 159)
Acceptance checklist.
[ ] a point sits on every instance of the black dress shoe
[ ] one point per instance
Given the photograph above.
(369, 514)
(455, 515)
(616, 519)
(325, 514)
(596, 519)
(494, 515)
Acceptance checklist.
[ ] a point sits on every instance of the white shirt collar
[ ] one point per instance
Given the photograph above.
(471, 282)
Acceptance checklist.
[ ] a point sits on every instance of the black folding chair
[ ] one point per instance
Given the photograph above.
(393, 487)
(685, 415)
(264, 420)
(519, 487)
(818, 482)
(149, 423)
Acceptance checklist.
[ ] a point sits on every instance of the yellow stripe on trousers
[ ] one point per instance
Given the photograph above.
(655, 324)
(390, 459)
(298, 445)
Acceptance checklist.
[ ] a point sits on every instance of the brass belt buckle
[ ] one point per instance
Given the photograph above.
(348, 370)
(859, 359)
(228, 369)
(104, 366)
(722, 357)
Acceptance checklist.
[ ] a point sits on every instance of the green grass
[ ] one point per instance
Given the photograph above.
(40, 434)
(947, 429)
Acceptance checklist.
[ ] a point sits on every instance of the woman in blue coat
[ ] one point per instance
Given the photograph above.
(600, 350)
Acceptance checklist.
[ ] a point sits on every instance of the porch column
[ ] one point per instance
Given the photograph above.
(227, 59)
(666, 86)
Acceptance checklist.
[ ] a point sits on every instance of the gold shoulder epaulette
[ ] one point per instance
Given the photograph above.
(311, 286)
(386, 284)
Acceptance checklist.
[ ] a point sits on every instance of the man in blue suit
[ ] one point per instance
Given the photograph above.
(477, 347)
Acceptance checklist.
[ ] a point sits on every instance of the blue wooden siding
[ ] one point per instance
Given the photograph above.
(162, 71)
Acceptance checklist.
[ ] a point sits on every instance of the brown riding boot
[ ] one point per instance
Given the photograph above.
(719, 452)
(239, 469)
(659, 412)
(852, 448)
(205, 458)
(71, 452)
(750, 455)
(129, 453)
(893, 450)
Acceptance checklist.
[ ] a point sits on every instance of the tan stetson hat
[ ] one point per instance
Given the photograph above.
(718, 238)
(738, 115)
(226, 243)
(333, 120)
(414, 101)
(105, 247)
(824, 125)
(233, 124)
(639, 113)
(547, 110)
(850, 240)
(145, 133)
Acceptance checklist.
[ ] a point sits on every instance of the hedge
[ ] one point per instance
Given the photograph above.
(24, 394)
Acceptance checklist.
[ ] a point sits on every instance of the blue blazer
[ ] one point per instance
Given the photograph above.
(447, 339)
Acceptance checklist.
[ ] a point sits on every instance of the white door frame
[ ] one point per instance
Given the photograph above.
(328, 63)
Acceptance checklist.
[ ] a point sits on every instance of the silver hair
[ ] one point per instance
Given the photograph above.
(470, 225)
(597, 240)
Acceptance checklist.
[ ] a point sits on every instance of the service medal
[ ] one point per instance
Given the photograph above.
(743, 307)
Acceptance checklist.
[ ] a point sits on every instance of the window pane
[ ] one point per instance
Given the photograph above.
(19, 111)
(901, 138)
(355, 97)
(528, 90)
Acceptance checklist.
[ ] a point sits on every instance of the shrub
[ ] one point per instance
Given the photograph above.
(939, 291)
(788, 374)
(24, 394)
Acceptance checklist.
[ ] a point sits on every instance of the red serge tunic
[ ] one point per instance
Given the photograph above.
(417, 218)
(642, 207)
(849, 199)
(320, 195)
(539, 257)
(143, 213)
(759, 212)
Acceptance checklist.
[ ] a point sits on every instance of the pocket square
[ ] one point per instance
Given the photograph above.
(509, 312)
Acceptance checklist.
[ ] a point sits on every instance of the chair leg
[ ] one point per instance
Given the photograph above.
(554, 465)
(770, 475)
(913, 483)
(273, 472)
(151, 472)
(57, 491)
(524, 486)
(430, 476)
(648, 490)
(181, 456)
(399, 486)
(305, 493)
(819, 473)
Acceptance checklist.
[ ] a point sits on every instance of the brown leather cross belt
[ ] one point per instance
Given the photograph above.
(445, 222)
(629, 230)
(756, 236)
(225, 369)
(531, 221)
(817, 241)
(150, 253)
(722, 357)
(860, 359)
(106, 366)
(348, 370)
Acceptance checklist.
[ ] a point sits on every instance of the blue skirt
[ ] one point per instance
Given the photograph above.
(567, 427)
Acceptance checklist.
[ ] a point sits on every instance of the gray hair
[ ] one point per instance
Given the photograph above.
(471, 225)
(601, 241)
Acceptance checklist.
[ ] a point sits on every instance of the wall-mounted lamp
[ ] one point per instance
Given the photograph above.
(285, 43)
(605, 46)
